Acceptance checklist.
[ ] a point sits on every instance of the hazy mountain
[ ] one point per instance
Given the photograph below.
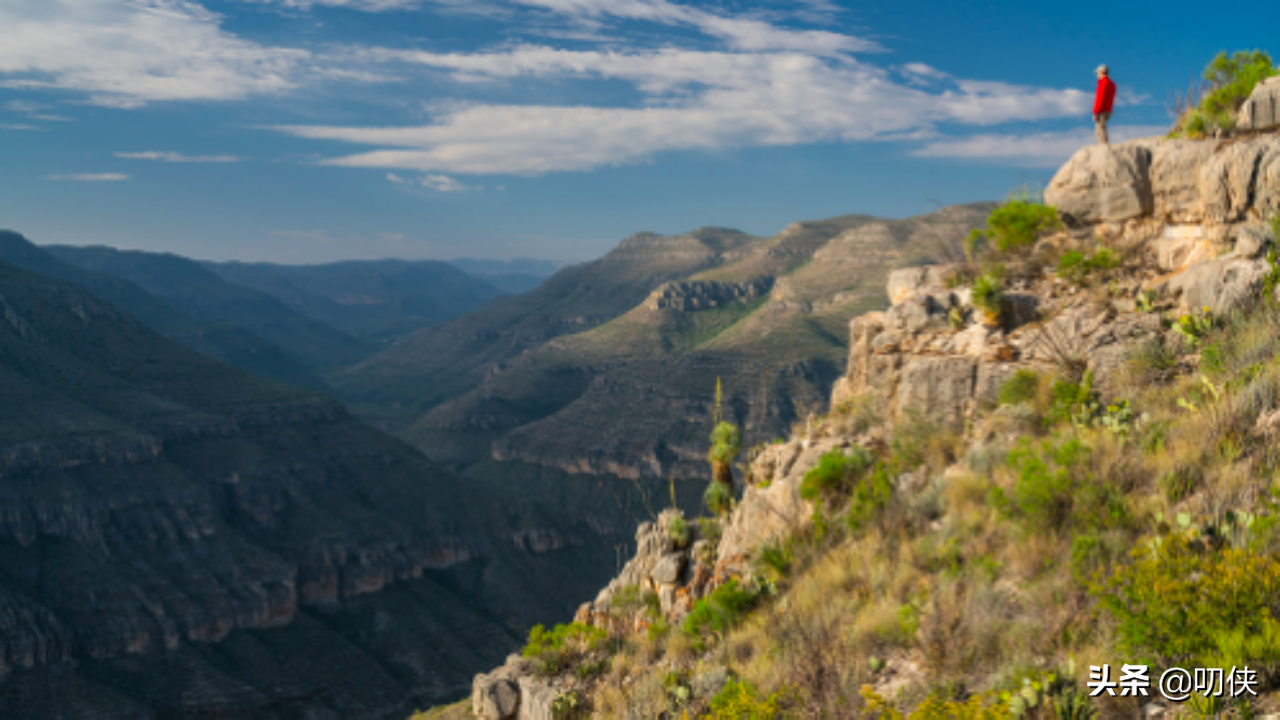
(194, 288)
(377, 300)
(222, 341)
(610, 366)
(181, 538)
(510, 276)
(444, 361)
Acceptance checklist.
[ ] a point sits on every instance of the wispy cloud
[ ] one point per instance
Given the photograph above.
(1049, 149)
(19, 126)
(34, 110)
(470, 7)
(741, 33)
(693, 100)
(126, 54)
(175, 157)
(364, 5)
(438, 183)
(89, 177)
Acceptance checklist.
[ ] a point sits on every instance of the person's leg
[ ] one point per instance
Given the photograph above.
(1100, 128)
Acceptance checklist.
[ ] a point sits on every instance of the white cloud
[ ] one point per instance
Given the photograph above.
(741, 33)
(33, 110)
(89, 177)
(18, 126)
(1049, 149)
(438, 183)
(694, 100)
(126, 53)
(174, 157)
(364, 5)
(469, 7)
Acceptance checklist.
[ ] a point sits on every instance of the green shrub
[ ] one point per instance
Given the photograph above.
(1076, 267)
(679, 532)
(778, 557)
(835, 473)
(726, 443)
(718, 498)
(1086, 552)
(658, 628)
(1074, 402)
(1194, 124)
(719, 611)
(742, 700)
(1019, 388)
(559, 647)
(1017, 223)
(1176, 598)
(988, 296)
(709, 529)
(1195, 327)
(1179, 482)
(869, 498)
(1053, 489)
(1150, 359)
(1042, 493)
(1232, 78)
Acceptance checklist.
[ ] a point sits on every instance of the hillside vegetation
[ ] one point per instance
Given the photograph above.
(648, 327)
(977, 566)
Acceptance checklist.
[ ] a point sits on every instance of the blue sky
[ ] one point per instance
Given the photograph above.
(309, 131)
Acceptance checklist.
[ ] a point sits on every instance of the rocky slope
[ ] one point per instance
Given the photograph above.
(1184, 219)
(181, 538)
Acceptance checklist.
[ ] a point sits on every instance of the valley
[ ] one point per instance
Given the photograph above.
(173, 517)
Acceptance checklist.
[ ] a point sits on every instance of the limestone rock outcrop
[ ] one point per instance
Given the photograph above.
(1261, 111)
(1211, 184)
(513, 692)
(692, 295)
(1104, 183)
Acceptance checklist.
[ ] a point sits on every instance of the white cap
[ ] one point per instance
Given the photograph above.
(1102, 70)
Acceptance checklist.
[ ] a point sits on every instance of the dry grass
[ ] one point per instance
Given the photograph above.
(961, 588)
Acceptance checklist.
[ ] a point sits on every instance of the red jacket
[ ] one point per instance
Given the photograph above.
(1105, 96)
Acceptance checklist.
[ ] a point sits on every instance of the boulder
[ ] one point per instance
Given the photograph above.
(668, 569)
(920, 312)
(1267, 188)
(537, 700)
(495, 696)
(1227, 180)
(768, 512)
(1103, 183)
(1220, 285)
(909, 282)
(938, 387)
(1262, 110)
(1020, 309)
(1252, 242)
(1175, 179)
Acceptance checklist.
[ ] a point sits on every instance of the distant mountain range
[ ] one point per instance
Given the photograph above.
(510, 276)
(375, 301)
(610, 366)
(226, 341)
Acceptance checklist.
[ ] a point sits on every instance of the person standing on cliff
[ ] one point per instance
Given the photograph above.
(1102, 101)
